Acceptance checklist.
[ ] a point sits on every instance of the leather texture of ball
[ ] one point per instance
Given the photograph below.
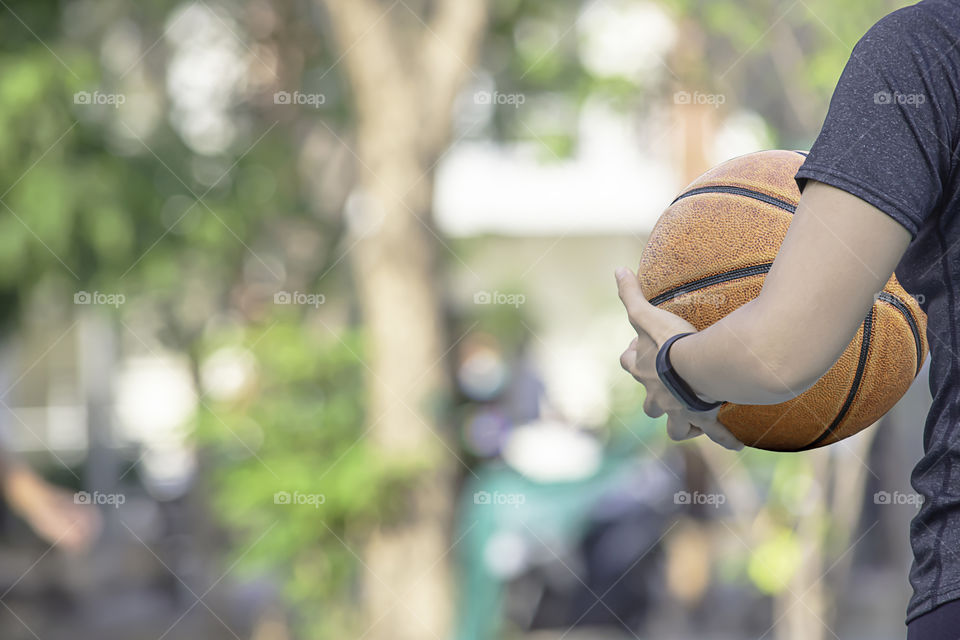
(709, 253)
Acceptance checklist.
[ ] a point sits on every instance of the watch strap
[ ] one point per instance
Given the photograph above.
(672, 380)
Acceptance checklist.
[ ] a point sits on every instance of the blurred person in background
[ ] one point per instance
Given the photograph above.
(57, 515)
(880, 191)
(51, 511)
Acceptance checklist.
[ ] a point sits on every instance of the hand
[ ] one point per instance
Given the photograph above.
(654, 327)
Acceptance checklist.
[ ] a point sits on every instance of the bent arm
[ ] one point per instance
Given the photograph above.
(838, 253)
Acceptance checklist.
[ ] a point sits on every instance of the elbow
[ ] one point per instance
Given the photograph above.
(779, 382)
(784, 370)
(791, 351)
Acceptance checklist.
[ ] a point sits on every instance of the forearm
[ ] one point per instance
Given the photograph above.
(839, 251)
(737, 359)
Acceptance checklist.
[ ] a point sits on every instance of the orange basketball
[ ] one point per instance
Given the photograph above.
(709, 253)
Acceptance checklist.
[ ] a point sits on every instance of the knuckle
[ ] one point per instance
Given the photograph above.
(652, 409)
(674, 429)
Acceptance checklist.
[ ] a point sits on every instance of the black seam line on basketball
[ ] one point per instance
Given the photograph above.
(803, 153)
(857, 379)
(739, 191)
(702, 283)
(900, 306)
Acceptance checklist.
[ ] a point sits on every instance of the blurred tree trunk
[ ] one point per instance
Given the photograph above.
(826, 534)
(801, 608)
(694, 124)
(405, 71)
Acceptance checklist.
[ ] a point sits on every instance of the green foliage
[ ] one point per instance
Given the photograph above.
(93, 203)
(775, 561)
(298, 432)
(778, 58)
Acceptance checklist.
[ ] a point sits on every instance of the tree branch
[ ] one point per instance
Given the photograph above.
(368, 50)
(448, 51)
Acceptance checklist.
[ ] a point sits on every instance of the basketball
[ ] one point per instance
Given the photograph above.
(708, 254)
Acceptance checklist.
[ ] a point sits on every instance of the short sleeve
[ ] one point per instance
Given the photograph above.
(890, 133)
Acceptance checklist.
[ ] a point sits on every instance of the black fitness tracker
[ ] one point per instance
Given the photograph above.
(672, 381)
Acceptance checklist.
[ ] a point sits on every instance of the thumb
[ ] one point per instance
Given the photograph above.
(643, 315)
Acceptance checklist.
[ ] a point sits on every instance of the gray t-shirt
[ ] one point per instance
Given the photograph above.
(891, 138)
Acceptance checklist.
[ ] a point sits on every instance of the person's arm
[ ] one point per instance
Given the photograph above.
(881, 166)
(51, 511)
(838, 253)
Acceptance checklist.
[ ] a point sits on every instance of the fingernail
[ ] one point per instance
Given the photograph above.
(621, 272)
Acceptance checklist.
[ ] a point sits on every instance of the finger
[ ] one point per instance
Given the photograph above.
(679, 429)
(651, 408)
(644, 347)
(637, 306)
(628, 359)
(718, 433)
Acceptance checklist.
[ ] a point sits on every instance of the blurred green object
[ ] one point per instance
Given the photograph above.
(544, 516)
(291, 477)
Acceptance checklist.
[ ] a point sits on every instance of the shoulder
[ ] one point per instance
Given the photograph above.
(932, 25)
(914, 50)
